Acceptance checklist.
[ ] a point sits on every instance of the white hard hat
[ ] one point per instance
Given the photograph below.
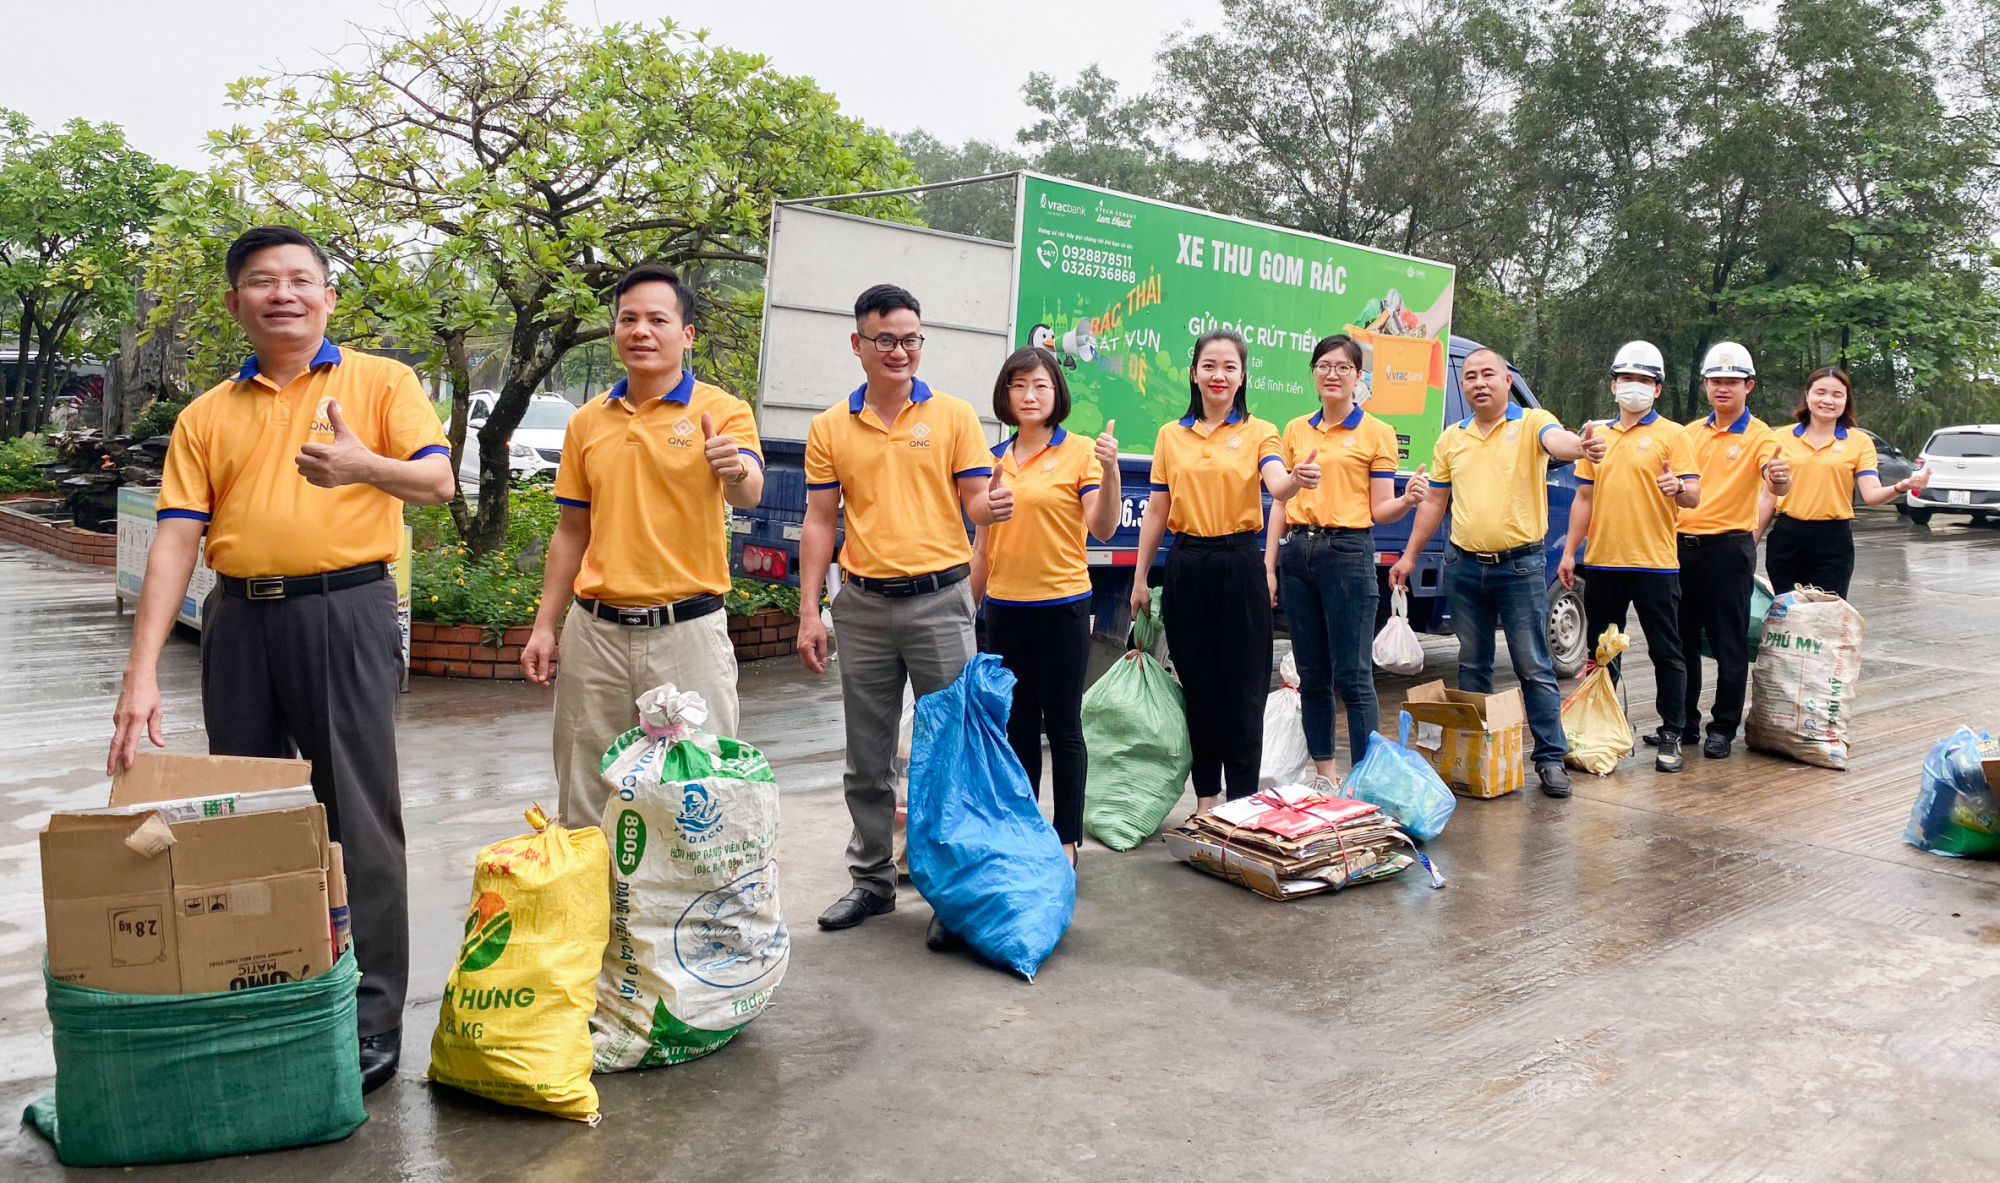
(1641, 358)
(1728, 360)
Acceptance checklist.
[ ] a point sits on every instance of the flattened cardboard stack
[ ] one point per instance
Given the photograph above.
(1290, 841)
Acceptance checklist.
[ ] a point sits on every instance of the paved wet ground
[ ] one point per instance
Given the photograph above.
(1738, 973)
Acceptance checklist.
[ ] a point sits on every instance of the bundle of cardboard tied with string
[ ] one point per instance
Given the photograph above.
(1292, 841)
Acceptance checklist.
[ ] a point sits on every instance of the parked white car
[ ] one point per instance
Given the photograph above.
(1965, 474)
(535, 448)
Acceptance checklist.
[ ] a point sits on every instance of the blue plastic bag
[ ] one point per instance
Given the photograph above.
(1402, 784)
(1955, 813)
(980, 851)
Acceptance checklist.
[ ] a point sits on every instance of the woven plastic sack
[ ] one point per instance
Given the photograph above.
(1286, 759)
(143, 1078)
(1397, 648)
(698, 943)
(1803, 687)
(514, 1023)
(1593, 722)
(1135, 727)
(1402, 784)
(986, 860)
(1955, 812)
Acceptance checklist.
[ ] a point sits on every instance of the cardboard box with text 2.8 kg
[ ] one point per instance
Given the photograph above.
(202, 874)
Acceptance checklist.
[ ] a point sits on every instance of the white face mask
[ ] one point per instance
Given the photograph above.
(1634, 396)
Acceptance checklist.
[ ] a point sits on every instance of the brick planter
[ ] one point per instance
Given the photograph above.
(462, 651)
(765, 633)
(57, 538)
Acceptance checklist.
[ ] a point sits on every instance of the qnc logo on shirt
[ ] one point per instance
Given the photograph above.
(1048, 466)
(1234, 443)
(1513, 435)
(683, 434)
(920, 436)
(1646, 445)
(1735, 450)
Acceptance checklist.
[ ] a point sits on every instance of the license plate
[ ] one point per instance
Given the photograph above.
(1958, 496)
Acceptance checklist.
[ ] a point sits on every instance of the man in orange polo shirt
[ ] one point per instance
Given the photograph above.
(297, 468)
(640, 556)
(902, 460)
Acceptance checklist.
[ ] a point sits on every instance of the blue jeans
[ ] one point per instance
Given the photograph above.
(1513, 595)
(1326, 583)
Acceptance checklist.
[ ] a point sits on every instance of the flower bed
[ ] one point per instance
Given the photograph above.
(467, 650)
(20, 524)
(767, 632)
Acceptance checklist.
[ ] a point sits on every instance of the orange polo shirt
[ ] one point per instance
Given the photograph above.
(1498, 480)
(232, 463)
(1038, 555)
(1352, 453)
(1631, 521)
(1730, 458)
(658, 524)
(898, 481)
(1213, 476)
(1823, 475)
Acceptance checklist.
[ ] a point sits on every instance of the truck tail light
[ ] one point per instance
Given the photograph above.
(767, 561)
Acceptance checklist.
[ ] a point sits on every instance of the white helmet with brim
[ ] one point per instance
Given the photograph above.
(1728, 360)
(1641, 358)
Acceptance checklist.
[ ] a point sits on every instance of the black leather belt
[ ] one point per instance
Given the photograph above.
(1708, 539)
(1328, 531)
(910, 585)
(287, 587)
(657, 615)
(1489, 558)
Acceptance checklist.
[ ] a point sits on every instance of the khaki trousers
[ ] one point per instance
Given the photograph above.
(604, 668)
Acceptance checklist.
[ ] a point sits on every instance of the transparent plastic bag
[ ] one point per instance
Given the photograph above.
(1402, 784)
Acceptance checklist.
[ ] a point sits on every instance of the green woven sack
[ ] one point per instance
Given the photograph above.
(170, 1078)
(1135, 728)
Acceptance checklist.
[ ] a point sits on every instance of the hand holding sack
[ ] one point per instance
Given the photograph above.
(1594, 723)
(1135, 727)
(1286, 759)
(1802, 687)
(514, 1024)
(698, 942)
(1397, 648)
(981, 853)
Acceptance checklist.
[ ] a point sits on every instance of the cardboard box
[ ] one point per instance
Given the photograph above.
(1475, 741)
(137, 905)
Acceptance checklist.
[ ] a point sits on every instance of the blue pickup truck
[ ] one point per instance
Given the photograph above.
(765, 541)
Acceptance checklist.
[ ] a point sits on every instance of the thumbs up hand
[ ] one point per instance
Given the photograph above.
(1594, 445)
(1418, 488)
(1670, 484)
(1107, 445)
(1307, 473)
(344, 460)
(1778, 472)
(1918, 480)
(723, 459)
(999, 499)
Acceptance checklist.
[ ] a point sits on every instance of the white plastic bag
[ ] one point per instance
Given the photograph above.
(697, 939)
(899, 772)
(1287, 760)
(1802, 687)
(1396, 646)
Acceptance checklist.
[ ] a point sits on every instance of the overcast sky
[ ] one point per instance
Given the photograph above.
(953, 67)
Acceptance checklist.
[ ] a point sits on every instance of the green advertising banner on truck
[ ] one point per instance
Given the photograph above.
(1119, 287)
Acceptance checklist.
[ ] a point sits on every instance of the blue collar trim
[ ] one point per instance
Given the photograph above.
(1644, 419)
(1234, 416)
(681, 393)
(1513, 412)
(1839, 432)
(1741, 425)
(918, 393)
(328, 355)
(1352, 421)
(1055, 441)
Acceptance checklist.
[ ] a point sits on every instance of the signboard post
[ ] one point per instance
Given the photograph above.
(1119, 287)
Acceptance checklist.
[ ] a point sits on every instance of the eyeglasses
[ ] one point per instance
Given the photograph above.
(265, 284)
(1339, 368)
(889, 344)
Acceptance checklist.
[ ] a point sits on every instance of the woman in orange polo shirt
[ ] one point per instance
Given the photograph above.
(1033, 575)
(1319, 552)
(1809, 538)
(1210, 469)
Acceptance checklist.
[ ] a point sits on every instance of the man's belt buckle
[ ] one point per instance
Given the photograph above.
(634, 616)
(268, 588)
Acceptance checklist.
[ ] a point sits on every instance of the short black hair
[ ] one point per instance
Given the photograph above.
(1026, 360)
(655, 273)
(258, 238)
(884, 298)
(1342, 342)
(1504, 363)
(1194, 359)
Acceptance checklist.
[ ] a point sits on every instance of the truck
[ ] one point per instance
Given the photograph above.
(1117, 287)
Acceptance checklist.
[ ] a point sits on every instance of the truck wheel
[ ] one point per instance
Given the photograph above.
(1920, 517)
(1569, 641)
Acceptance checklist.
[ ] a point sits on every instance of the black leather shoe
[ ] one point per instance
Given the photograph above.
(1652, 738)
(1716, 747)
(379, 1056)
(939, 939)
(1555, 780)
(854, 907)
(1669, 758)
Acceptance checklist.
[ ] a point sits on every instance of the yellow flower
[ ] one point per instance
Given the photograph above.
(434, 599)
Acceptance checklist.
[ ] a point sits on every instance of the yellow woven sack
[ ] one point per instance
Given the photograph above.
(1595, 725)
(514, 1026)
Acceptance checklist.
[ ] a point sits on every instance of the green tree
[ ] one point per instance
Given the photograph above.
(485, 178)
(982, 211)
(74, 206)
